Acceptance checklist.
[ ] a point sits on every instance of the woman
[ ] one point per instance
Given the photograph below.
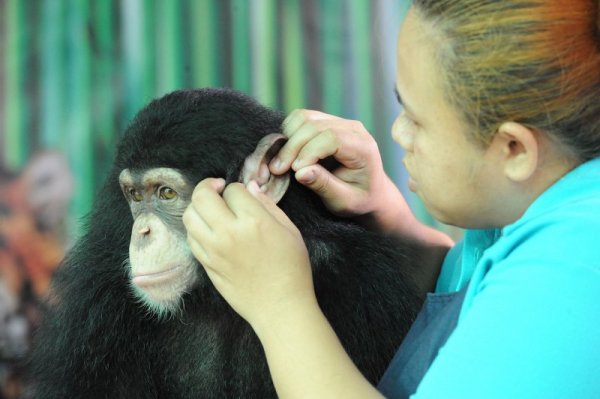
(501, 129)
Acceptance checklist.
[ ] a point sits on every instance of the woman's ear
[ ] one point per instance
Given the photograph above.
(519, 150)
(256, 167)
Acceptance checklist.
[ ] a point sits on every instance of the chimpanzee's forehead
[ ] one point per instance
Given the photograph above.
(202, 133)
(153, 176)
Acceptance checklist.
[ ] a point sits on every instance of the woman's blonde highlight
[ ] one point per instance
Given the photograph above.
(534, 62)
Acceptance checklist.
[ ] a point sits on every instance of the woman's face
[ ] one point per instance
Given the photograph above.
(454, 176)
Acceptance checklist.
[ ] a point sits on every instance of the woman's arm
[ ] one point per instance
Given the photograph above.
(306, 358)
(268, 281)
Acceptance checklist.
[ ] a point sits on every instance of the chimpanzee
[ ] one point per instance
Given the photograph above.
(133, 315)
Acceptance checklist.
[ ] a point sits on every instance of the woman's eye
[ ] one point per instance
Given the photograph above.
(135, 195)
(167, 193)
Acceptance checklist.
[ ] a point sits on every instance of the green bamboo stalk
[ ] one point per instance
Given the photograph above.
(137, 21)
(79, 126)
(388, 15)
(360, 30)
(169, 55)
(148, 42)
(294, 80)
(15, 125)
(264, 51)
(241, 61)
(103, 72)
(52, 80)
(332, 53)
(206, 52)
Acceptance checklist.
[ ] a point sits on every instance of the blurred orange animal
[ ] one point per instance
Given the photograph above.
(33, 237)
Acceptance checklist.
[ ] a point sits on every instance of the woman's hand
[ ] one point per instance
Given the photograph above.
(355, 187)
(256, 258)
(359, 186)
(251, 251)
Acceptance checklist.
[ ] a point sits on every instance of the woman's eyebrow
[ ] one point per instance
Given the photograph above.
(402, 103)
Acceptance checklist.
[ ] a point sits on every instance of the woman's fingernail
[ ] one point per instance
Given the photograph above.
(263, 173)
(219, 184)
(253, 187)
(306, 176)
(276, 163)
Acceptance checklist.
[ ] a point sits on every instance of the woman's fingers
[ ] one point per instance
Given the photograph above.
(300, 127)
(208, 203)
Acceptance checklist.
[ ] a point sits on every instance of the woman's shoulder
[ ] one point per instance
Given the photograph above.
(573, 198)
(563, 223)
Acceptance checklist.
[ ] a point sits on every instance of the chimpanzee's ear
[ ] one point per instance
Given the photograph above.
(256, 167)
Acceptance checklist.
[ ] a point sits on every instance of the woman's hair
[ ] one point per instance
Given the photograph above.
(535, 62)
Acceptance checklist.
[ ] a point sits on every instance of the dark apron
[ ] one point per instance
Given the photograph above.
(434, 324)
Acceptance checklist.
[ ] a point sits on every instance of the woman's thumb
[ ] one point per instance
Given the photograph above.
(321, 181)
(267, 202)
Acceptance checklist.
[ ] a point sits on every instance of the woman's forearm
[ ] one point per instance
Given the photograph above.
(306, 358)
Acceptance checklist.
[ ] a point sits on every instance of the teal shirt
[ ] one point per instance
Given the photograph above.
(529, 326)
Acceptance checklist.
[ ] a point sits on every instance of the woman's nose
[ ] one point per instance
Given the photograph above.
(402, 133)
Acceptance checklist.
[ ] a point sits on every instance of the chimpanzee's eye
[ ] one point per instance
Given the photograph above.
(135, 195)
(166, 193)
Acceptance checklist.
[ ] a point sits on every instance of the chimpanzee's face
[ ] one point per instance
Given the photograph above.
(161, 265)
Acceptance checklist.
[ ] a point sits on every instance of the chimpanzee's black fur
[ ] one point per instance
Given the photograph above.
(99, 342)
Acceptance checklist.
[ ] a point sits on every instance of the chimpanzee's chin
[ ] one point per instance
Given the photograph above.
(163, 300)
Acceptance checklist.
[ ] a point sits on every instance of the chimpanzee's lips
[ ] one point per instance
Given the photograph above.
(148, 279)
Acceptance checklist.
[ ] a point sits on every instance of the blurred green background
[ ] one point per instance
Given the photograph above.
(74, 72)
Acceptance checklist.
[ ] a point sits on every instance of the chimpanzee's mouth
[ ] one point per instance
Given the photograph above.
(143, 280)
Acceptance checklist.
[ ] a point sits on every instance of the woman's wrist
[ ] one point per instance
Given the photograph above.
(393, 215)
(305, 357)
(285, 311)
(389, 211)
